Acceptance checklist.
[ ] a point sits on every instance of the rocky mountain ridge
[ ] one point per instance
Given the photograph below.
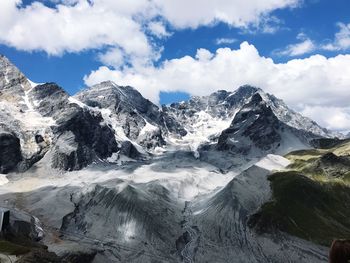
(108, 121)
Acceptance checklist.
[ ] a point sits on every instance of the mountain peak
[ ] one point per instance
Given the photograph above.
(256, 99)
(248, 89)
(13, 83)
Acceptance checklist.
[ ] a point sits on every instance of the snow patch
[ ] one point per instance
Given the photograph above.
(38, 228)
(273, 162)
(3, 179)
(148, 129)
(78, 102)
(33, 84)
(26, 99)
(203, 126)
(184, 179)
(119, 159)
(128, 229)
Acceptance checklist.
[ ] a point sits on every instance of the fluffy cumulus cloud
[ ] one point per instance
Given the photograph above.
(305, 46)
(184, 13)
(321, 84)
(337, 118)
(341, 40)
(123, 25)
(158, 29)
(74, 26)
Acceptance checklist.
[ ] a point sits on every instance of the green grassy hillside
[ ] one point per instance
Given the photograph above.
(311, 199)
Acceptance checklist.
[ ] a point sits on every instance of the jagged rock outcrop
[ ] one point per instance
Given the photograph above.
(10, 151)
(13, 84)
(140, 120)
(81, 138)
(256, 131)
(50, 99)
(41, 118)
(128, 149)
(224, 105)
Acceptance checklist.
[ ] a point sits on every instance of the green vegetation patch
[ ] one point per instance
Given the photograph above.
(9, 248)
(326, 168)
(312, 210)
(343, 149)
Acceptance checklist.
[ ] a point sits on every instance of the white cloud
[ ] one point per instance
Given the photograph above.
(304, 47)
(74, 28)
(158, 29)
(204, 55)
(341, 40)
(224, 41)
(316, 81)
(78, 25)
(330, 117)
(113, 57)
(193, 13)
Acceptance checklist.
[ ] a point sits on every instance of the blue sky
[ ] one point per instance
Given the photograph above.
(154, 47)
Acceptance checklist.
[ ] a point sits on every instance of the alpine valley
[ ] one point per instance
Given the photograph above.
(108, 176)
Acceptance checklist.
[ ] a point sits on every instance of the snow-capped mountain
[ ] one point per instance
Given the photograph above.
(106, 121)
(111, 173)
(257, 130)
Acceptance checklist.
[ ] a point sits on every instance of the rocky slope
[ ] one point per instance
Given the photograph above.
(142, 217)
(256, 130)
(223, 223)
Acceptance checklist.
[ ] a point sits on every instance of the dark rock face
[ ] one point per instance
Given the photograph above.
(51, 99)
(10, 151)
(131, 110)
(80, 135)
(171, 124)
(89, 131)
(81, 138)
(128, 149)
(127, 106)
(255, 121)
(257, 131)
(39, 138)
(22, 227)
